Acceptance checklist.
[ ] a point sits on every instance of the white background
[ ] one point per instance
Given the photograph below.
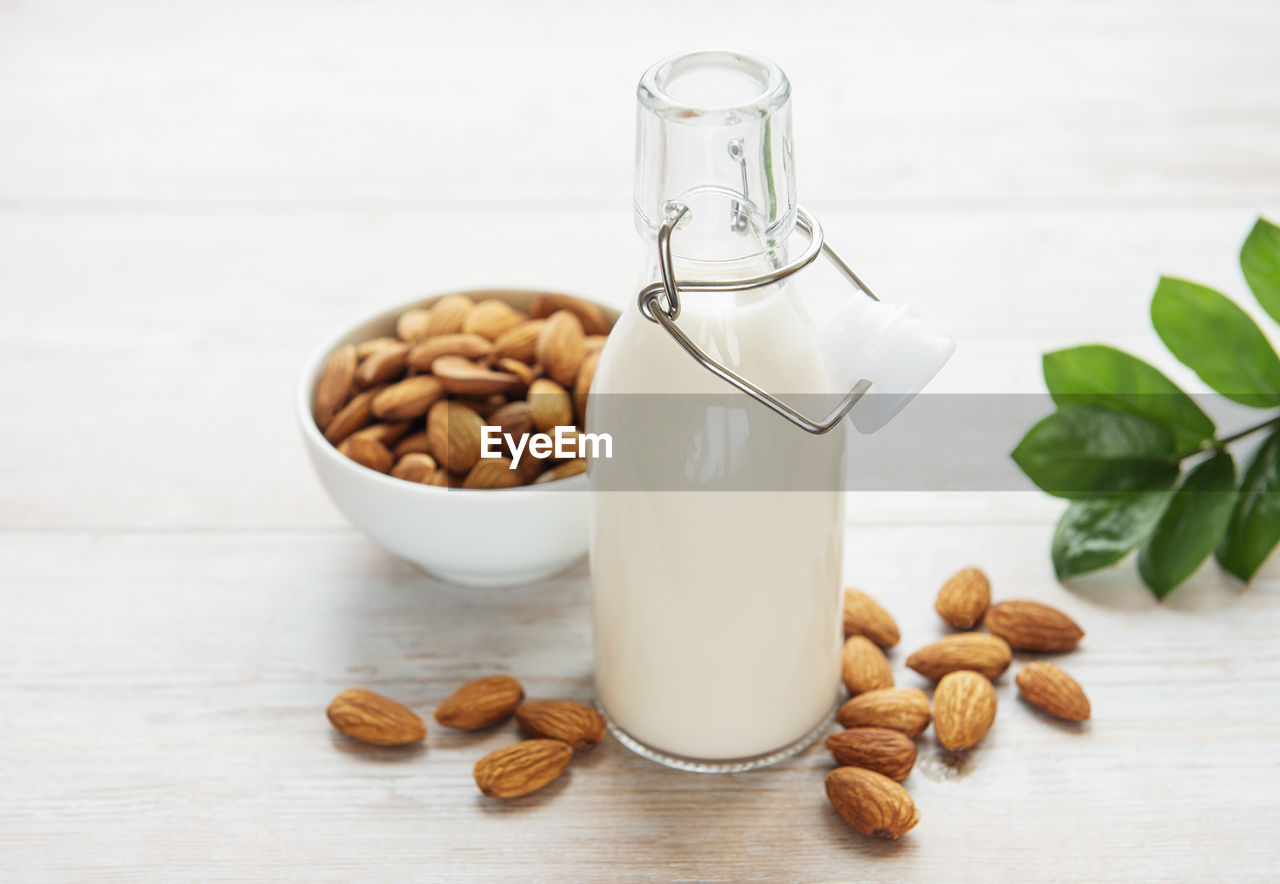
(191, 195)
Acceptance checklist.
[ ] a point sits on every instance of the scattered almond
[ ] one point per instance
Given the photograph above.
(523, 768)
(964, 707)
(881, 749)
(978, 651)
(963, 598)
(481, 703)
(902, 709)
(1047, 687)
(334, 385)
(372, 718)
(864, 616)
(865, 667)
(871, 803)
(1031, 626)
(574, 723)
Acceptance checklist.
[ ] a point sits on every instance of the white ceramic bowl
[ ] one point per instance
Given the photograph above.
(482, 537)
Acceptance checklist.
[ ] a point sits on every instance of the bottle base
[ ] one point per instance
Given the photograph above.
(718, 765)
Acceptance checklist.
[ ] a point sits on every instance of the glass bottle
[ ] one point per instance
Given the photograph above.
(718, 526)
(716, 611)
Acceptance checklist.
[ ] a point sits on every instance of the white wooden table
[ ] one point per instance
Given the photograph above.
(191, 194)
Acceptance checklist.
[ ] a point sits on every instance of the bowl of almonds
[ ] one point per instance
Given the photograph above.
(421, 423)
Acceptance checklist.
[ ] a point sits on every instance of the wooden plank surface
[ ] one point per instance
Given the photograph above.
(191, 196)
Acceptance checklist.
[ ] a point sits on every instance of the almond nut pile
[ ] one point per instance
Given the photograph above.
(556, 729)
(877, 750)
(413, 405)
(874, 753)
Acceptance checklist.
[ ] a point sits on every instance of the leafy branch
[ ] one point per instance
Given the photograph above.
(1123, 433)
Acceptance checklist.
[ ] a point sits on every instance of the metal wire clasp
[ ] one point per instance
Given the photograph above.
(650, 304)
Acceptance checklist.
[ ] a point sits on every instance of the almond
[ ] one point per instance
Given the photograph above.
(978, 651)
(566, 470)
(1031, 626)
(492, 472)
(963, 598)
(1047, 687)
(531, 468)
(865, 666)
(355, 415)
(520, 341)
(561, 347)
(864, 616)
(429, 350)
(367, 451)
(514, 366)
(550, 405)
(881, 749)
(589, 315)
(594, 343)
(386, 433)
(964, 706)
(490, 318)
(372, 718)
(408, 399)
(523, 768)
(481, 703)
(412, 324)
(453, 435)
(366, 348)
(334, 385)
(465, 377)
(413, 443)
(384, 364)
(447, 315)
(415, 467)
(902, 709)
(582, 386)
(871, 803)
(514, 419)
(574, 723)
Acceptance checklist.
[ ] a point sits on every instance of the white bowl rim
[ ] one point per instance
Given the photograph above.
(315, 363)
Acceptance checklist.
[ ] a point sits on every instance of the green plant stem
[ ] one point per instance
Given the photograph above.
(1218, 444)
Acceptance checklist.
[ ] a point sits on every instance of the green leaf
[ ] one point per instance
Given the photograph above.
(1095, 533)
(1211, 335)
(1255, 524)
(1099, 375)
(1260, 261)
(1084, 451)
(1191, 527)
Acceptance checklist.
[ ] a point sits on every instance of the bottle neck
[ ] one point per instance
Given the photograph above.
(713, 145)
